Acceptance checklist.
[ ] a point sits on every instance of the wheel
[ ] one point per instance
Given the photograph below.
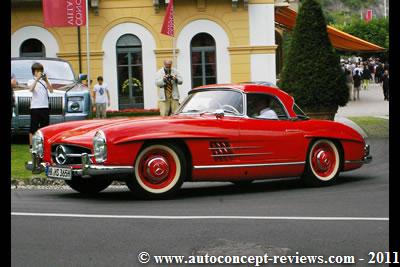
(159, 171)
(322, 164)
(242, 183)
(231, 107)
(88, 186)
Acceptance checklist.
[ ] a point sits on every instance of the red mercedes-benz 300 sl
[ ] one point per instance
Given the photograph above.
(232, 132)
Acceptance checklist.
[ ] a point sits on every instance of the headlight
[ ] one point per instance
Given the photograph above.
(100, 147)
(75, 104)
(38, 144)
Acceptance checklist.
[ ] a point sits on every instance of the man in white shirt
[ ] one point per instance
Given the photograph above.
(40, 111)
(259, 107)
(101, 98)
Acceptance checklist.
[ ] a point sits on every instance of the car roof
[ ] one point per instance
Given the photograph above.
(255, 87)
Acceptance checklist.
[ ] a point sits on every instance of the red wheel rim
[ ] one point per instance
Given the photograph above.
(323, 159)
(157, 168)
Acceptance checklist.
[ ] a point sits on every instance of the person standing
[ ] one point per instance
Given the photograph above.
(385, 84)
(13, 85)
(356, 85)
(366, 76)
(40, 111)
(167, 81)
(349, 81)
(101, 98)
(379, 72)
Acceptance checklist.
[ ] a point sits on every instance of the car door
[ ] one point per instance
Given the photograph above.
(271, 147)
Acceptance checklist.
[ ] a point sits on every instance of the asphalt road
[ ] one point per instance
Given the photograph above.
(254, 229)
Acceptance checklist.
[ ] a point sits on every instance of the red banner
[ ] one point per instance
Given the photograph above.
(64, 13)
(368, 15)
(168, 24)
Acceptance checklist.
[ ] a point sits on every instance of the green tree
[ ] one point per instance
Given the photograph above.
(312, 72)
(376, 31)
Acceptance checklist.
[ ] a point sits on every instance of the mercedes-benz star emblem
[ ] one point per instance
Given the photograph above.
(61, 155)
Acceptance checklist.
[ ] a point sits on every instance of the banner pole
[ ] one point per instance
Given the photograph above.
(173, 52)
(87, 45)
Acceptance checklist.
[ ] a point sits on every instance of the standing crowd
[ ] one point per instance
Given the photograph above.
(360, 73)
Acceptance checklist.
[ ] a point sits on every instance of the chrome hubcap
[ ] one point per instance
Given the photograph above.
(323, 161)
(157, 169)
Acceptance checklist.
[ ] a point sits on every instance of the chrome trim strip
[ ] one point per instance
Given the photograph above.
(365, 160)
(237, 147)
(248, 165)
(73, 155)
(238, 155)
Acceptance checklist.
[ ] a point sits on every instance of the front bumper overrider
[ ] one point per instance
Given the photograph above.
(85, 170)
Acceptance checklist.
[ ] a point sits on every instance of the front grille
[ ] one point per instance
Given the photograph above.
(56, 105)
(24, 104)
(73, 153)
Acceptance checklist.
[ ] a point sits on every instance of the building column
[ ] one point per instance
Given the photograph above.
(262, 34)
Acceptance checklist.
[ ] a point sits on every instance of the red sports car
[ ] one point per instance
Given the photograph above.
(232, 132)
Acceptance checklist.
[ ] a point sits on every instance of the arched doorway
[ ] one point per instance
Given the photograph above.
(32, 48)
(203, 60)
(130, 72)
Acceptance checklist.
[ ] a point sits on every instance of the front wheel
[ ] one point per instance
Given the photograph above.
(159, 171)
(322, 164)
(88, 186)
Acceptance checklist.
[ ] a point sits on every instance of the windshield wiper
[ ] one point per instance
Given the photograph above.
(191, 111)
(230, 111)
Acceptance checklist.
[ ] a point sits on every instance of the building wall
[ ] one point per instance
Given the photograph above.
(242, 53)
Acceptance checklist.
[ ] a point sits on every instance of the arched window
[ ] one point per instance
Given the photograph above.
(32, 48)
(130, 72)
(203, 60)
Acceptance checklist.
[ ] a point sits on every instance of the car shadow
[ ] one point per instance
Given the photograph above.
(206, 190)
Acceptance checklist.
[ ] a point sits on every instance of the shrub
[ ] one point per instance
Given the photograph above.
(312, 72)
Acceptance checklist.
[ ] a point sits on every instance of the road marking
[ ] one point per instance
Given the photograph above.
(178, 217)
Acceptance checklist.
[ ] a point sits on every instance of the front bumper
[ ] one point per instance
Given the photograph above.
(84, 170)
(367, 158)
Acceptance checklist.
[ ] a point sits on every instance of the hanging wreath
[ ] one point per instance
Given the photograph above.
(133, 82)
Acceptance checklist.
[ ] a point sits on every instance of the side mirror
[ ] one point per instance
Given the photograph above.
(82, 77)
(219, 113)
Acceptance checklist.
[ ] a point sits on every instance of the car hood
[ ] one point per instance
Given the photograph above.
(22, 88)
(119, 131)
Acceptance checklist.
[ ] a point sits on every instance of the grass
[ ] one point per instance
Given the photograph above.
(19, 155)
(374, 127)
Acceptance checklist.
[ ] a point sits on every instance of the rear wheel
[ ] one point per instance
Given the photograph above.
(322, 164)
(159, 171)
(88, 186)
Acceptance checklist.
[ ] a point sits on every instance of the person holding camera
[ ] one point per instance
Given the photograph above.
(40, 111)
(167, 81)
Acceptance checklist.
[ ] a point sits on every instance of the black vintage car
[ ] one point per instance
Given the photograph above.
(69, 101)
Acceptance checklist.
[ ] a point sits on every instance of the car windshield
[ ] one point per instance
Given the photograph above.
(57, 71)
(209, 101)
(299, 113)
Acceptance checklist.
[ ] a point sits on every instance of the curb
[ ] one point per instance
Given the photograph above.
(40, 182)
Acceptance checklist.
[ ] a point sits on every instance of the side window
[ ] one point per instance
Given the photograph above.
(264, 106)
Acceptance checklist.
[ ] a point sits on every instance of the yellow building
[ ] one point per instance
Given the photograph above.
(217, 41)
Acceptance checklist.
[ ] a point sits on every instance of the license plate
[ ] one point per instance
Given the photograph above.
(59, 173)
